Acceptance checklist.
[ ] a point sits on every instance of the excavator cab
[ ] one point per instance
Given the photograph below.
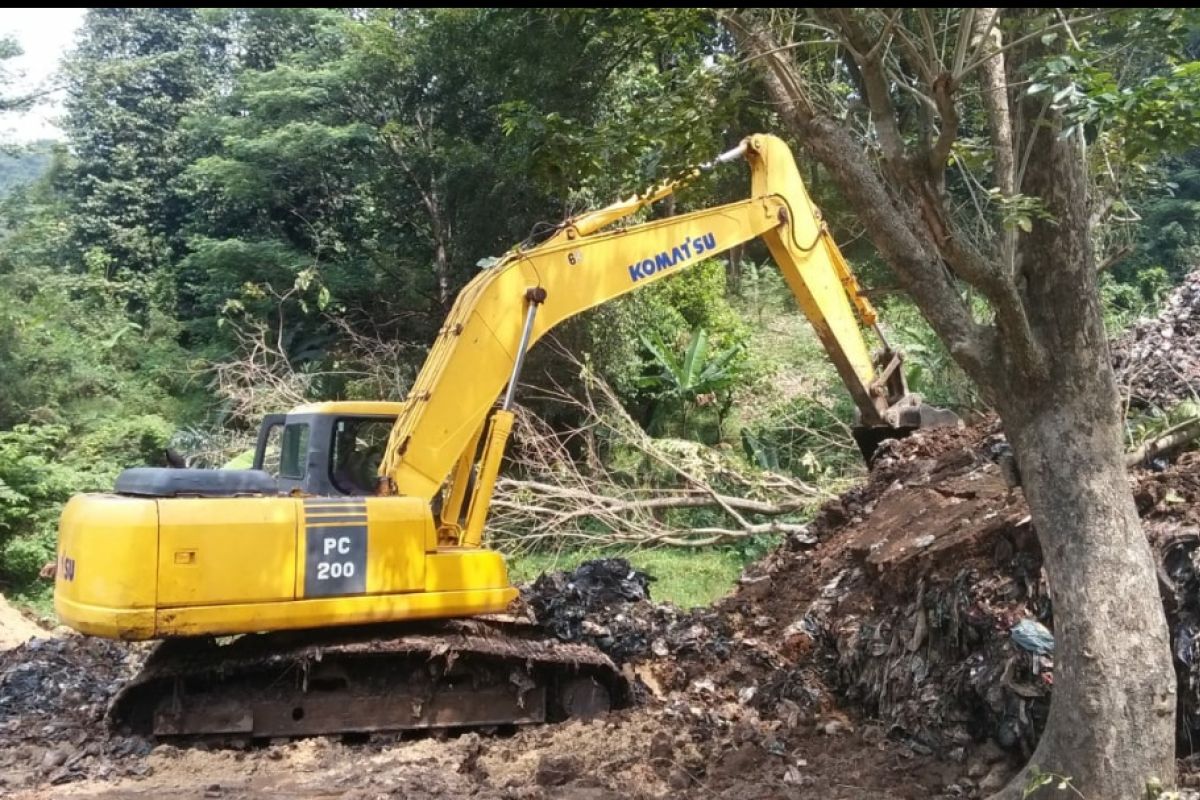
(326, 449)
(321, 449)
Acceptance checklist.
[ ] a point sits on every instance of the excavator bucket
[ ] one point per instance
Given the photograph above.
(894, 411)
(909, 415)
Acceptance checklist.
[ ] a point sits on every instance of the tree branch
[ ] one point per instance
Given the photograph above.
(1066, 23)
(926, 70)
(995, 102)
(1171, 439)
(1119, 255)
(939, 156)
(791, 96)
(1001, 292)
(868, 57)
(24, 101)
(965, 26)
(892, 226)
(692, 498)
(995, 97)
(927, 32)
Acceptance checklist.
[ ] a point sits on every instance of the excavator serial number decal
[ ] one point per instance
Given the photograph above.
(335, 548)
(687, 250)
(336, 562)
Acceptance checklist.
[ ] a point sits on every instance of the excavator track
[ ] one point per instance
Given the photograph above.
(452, 674)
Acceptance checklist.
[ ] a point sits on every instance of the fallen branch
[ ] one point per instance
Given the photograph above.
(568, 490)
(1171, 439)
(692, 499)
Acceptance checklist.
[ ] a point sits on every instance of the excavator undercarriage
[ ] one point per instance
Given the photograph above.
(438, 675)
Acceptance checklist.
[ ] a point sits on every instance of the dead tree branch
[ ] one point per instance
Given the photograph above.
(1169, 441)
(570, 489)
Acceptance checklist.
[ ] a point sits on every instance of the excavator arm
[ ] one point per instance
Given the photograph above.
(509, 306)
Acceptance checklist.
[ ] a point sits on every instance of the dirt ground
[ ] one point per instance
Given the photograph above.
(15, 627)
(696, 739)
(629, 756)
(901, 649)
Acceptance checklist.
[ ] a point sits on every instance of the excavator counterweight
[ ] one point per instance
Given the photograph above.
(348, 563)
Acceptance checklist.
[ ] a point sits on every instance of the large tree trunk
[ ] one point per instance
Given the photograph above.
(1112, 709)
(1111, 726)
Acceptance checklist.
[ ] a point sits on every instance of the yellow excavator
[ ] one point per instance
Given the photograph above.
(350, 558)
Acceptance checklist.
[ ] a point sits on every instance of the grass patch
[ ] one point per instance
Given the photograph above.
(687, 577)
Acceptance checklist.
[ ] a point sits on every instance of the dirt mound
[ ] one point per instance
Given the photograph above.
(925, 608)
(908, 601)
(1157, 361)
(15, 627)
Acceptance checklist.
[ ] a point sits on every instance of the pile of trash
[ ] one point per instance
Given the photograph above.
(561, 601)
(53, 696)
(1157, 361)
(922, 609)
(59, 679)
(1170, 506)
(606, 602)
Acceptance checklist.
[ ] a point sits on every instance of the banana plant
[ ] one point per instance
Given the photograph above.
(696, 379)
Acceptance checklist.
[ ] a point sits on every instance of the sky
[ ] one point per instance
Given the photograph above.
(45, 34)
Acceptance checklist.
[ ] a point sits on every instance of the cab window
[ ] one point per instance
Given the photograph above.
(293, 456)
(358, 448)
(273, 450)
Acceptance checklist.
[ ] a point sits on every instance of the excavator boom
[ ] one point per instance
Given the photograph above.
(589, 261)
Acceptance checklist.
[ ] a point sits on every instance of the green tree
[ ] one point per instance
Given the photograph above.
(9, 49)
(133, 75)
(679, 383)
(1026, 248)
(369, 161)
(24, 165)
(1167, 231)
(87, 391)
